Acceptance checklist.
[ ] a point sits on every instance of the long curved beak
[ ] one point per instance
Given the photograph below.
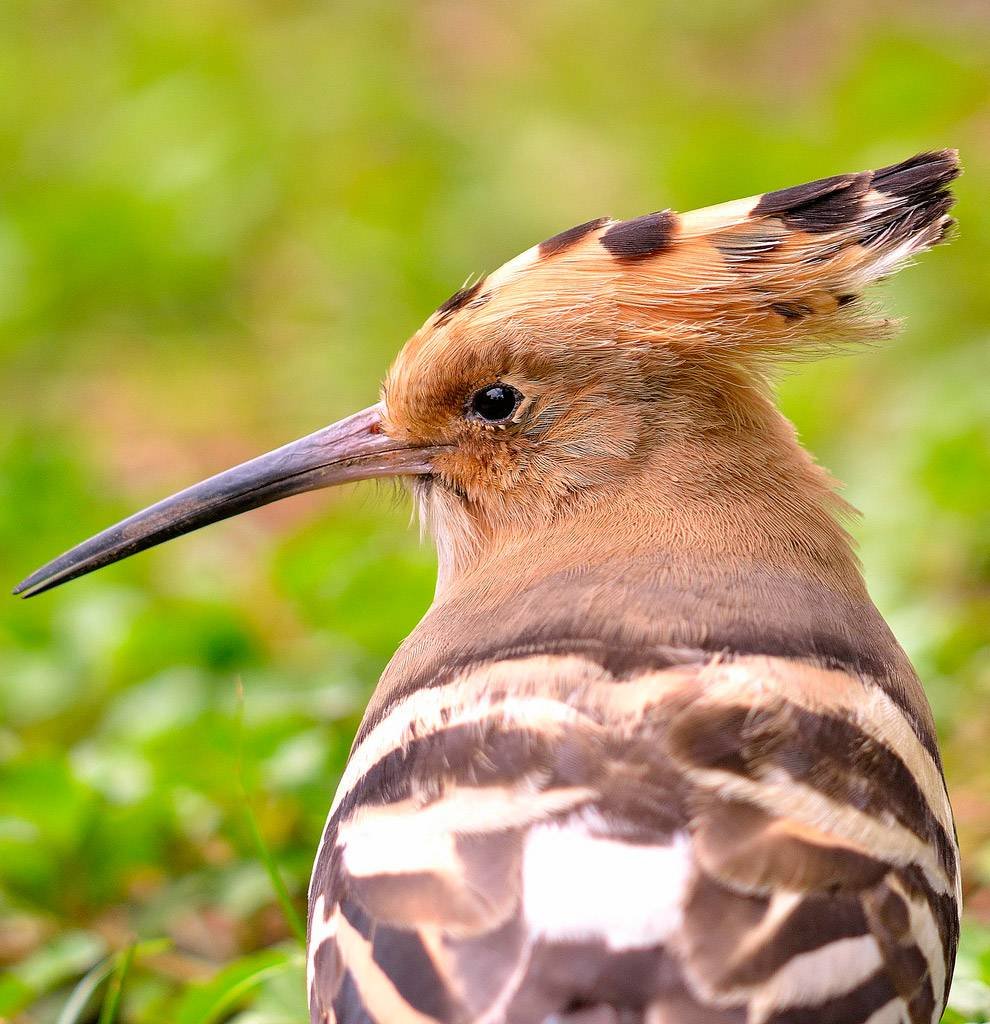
(352, 449)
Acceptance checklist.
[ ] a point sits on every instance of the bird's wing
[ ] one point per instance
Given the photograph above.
(543, 838)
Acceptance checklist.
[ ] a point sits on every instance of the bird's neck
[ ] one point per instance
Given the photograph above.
(730, 503)
(629, 588)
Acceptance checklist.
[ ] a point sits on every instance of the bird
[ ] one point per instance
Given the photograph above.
(652, 755)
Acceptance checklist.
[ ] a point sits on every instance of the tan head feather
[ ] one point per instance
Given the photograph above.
(757, 274)
(639, 348)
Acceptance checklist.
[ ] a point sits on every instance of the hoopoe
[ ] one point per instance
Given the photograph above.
(652, 755)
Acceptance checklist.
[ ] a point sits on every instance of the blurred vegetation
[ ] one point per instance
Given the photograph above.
(218, 221)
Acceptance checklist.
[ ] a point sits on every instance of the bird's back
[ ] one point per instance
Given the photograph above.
(647, 793)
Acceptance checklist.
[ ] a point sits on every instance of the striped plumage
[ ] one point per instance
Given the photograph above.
(738, 818)
(652, 755)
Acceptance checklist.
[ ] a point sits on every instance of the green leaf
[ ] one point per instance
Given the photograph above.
(278, 884)
(14, 995)
(63, 958)
(82, 995)
(205, 1003)
(116, 968)
(111, 1002)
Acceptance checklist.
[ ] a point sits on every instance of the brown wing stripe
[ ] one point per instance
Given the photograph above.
(721, 922)
(403, 957)
(762, 853)
(890, 923)
(816, 922)
(908, 970)
(481, 753)
(327, 979)
(922, 1005)
(601, 976)
(856, 769)
(633, 778)
(475, 754)
(944, 909)
(347, 1003)
(829, 754)
(624, 661)
(852, 1008)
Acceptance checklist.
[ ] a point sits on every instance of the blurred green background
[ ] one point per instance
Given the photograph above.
(218, 222)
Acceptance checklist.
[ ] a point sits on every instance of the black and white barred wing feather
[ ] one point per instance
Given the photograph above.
(747, 840)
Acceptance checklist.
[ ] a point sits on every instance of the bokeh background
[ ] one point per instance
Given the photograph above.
(219, 219)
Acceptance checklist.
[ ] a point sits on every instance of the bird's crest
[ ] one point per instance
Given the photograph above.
(775, 275)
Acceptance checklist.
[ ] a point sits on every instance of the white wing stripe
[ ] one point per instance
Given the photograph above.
(578, 886)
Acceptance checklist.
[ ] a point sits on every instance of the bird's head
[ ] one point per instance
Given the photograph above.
(617, 358)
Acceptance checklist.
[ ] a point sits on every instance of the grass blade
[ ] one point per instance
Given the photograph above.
(119, 965)
(78, 1002)
(111, 1001)
(295, 922)
(274, 875)
(211, 1001)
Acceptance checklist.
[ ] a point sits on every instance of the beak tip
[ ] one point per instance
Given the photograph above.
(24, 589)
(38, 582)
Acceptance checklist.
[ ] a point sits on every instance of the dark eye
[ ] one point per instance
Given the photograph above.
(495, 403)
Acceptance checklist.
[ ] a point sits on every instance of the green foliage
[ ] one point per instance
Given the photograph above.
(220, 220)
(213, 1000)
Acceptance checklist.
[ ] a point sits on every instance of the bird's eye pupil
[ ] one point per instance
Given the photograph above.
(495, 403)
